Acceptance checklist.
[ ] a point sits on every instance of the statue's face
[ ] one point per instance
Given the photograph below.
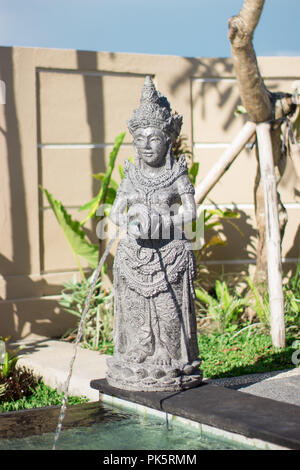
(151, 145)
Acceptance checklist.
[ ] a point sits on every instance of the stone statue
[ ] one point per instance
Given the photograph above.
(155, 327)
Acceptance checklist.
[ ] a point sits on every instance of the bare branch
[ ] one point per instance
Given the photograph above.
(250, 13)
(254, 94)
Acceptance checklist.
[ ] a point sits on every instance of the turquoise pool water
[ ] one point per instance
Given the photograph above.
(106, 428)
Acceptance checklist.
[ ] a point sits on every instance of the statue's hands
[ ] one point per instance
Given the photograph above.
(134, 229)
(138, 221)
(143, 223)
(155, 221)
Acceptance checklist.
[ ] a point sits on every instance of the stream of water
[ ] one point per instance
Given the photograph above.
(79, 334)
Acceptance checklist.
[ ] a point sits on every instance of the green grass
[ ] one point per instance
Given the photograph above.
(225, 356)
(250, 352)
(42, 396)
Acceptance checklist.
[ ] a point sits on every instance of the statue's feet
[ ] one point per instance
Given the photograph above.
(162, 358)
(137, 356)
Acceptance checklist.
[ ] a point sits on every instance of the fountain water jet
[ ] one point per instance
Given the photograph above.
(79, 334)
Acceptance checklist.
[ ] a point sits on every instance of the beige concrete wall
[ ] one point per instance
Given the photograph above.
(63, 111)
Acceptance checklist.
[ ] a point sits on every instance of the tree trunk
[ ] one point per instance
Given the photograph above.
(262, 106)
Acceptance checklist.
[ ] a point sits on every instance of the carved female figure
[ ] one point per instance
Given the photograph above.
(155, 327)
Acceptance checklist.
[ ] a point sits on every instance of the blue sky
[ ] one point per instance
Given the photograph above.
(190, 28)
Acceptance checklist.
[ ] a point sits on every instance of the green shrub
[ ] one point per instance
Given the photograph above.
(18, 384)
(41, 396)
(98, 326)
(222, 309)
(9, 357)
(259, 303)
(292, 302)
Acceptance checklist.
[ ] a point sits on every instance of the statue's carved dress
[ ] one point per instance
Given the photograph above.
(155, 328)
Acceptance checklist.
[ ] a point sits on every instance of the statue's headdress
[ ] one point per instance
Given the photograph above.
(155, 111)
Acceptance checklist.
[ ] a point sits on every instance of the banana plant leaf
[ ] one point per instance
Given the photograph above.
(121, 171)
(101, 176)
(74, 234)
(193, 172)
(215, 240)
(106, 181)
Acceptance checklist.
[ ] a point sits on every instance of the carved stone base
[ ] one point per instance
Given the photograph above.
(148, 377)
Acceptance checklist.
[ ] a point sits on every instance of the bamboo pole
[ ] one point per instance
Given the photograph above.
(226, 159)
(276, 298)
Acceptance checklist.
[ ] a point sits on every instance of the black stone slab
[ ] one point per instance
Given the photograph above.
(223, 408)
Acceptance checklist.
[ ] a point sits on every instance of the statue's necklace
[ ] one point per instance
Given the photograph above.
(163, 179)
